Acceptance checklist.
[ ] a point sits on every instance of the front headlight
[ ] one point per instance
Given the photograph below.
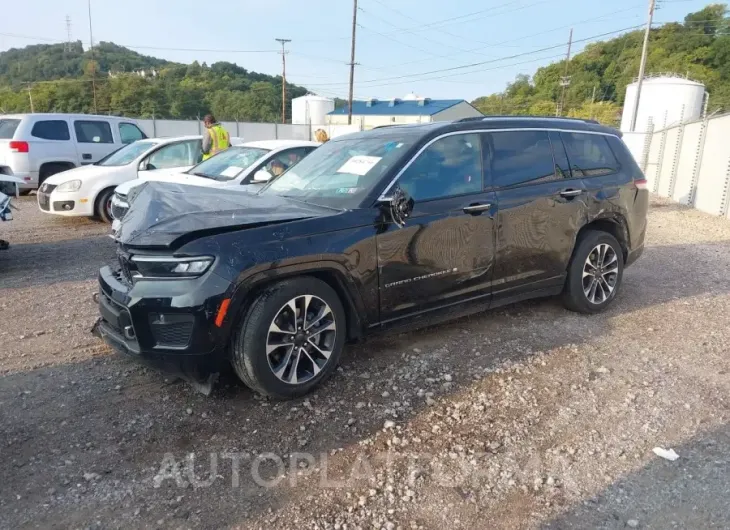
(71, 185)
(167, 267)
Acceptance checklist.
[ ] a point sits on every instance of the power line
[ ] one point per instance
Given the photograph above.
(472, 65)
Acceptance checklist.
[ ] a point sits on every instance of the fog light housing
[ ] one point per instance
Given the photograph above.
(63, 206)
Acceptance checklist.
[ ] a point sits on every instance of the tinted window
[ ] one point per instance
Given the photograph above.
(173, 155)
(449, 166)
(7, 129)
(129, 133)
(589, 154)
(93, 132)
(562, 166)
(51, 130)
(520, 157)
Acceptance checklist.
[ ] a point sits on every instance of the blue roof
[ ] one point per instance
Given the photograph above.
(375, 107)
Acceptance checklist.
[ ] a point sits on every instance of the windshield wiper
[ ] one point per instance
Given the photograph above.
(204, 175)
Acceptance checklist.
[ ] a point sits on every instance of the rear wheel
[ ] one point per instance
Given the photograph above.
(594, 274)
(291, 338)
(103, 206)
(48, 170)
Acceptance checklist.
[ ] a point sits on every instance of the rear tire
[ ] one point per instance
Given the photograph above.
(594, 274)
(317, 338)
(49, 170)
(103, 205)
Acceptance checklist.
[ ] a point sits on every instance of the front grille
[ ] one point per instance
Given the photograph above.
(44, 196)
(47, 188)
(171, 330)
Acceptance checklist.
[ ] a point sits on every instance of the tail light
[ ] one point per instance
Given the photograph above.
(18, 147)
(641, 184)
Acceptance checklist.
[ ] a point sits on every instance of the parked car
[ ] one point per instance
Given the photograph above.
(394, 226)
(250, 163)
(9, 186)
(87, 191)
(34, 147)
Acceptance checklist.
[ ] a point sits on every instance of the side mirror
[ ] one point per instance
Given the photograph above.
(400, 206)
(261, 176)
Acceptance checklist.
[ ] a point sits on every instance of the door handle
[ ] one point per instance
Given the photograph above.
(86, 156)
(476, 209)
(569, 194)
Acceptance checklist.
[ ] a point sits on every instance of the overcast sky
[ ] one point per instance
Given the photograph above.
(402, 45)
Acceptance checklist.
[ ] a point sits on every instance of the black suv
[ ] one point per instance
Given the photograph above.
(372, 230)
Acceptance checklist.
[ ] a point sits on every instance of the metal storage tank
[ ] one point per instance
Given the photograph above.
(311, 109)
(666, 100)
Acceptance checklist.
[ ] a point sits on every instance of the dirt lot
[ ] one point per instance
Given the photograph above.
(526, 417)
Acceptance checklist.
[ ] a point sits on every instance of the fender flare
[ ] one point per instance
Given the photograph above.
(247, 288)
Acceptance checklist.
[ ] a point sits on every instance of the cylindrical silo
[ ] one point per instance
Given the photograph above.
(311, 109)
(666, 100)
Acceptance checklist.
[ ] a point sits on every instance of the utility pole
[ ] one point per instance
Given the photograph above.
(68, 34)
(352, 61)
(642, 66)
(283, 78)
(593, 101)
(93, 64)
(565, 80)
(30, 97)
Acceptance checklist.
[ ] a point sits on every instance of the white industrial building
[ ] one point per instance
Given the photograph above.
(372, 113)
(666, 99)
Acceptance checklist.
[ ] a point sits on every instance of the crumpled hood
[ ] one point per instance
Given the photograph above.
(162, 212)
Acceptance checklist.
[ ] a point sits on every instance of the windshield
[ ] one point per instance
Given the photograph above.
(127, 154)
(341, 173)
(228, 164)
(7, 128)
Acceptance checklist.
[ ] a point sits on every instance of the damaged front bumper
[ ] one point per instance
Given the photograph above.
(168, 325)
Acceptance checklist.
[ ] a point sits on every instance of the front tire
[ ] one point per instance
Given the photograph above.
(291, 338)
(104, 205)
(594, 274)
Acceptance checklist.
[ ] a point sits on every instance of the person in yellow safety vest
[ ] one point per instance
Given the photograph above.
(215, 139)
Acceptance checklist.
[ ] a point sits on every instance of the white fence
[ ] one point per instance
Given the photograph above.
(248, 131)
(689, 163)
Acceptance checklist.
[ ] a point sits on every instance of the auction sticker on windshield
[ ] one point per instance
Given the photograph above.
(231, 171)
(359, 164)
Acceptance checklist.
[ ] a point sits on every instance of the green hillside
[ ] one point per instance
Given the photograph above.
(699, 49)
(59, 78)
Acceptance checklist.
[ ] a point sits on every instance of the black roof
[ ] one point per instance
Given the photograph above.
(500, 122)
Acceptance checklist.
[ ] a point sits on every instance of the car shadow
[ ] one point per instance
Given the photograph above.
(691, 492)
(38, 264)
(111, 417)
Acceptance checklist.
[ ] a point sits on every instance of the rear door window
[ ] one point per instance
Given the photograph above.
(519, 157)
(7, 128)
(128, 133)
(173, 155)
(93, 132)
(589, 154)
(51, 130)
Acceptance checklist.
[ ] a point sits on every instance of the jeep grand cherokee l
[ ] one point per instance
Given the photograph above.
(370, 231)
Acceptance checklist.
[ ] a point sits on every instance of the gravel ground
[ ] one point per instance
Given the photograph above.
(525, 417)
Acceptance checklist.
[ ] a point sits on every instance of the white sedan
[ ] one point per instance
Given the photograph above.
(88, 190)
(251, 163)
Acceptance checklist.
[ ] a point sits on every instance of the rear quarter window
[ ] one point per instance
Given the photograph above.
(589, 154)
(93, 132)
(7, 128)
(51, 130)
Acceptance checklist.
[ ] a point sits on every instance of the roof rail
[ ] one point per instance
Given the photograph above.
(485, 118)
